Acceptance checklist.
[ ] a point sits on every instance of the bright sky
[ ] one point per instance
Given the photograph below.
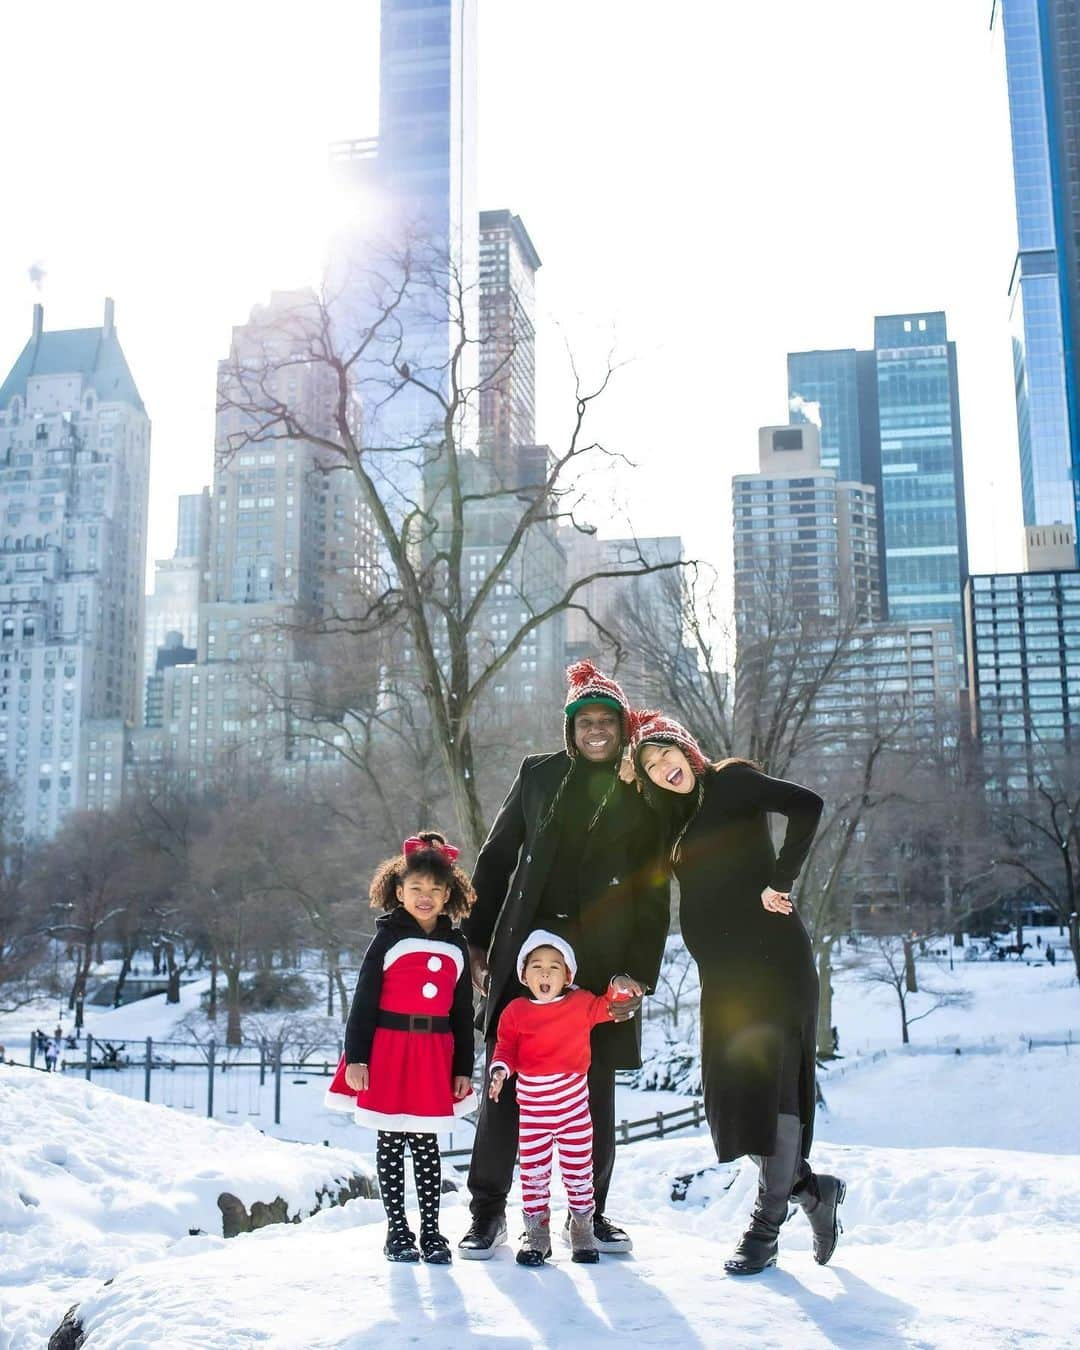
(710, 185)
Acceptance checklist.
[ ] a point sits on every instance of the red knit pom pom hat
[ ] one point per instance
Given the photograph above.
(585, 684)
(653, 728)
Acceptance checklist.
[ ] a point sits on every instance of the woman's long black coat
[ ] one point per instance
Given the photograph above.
(759, 988)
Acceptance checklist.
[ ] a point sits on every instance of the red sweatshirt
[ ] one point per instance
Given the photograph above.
(545, 1038)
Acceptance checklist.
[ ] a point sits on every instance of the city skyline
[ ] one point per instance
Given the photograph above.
(814, 276)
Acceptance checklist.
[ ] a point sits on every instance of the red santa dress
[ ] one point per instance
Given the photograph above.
(411, 1023)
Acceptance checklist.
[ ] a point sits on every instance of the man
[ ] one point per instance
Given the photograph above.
(582, 850)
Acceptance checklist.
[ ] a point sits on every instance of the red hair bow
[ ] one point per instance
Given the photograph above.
(448, 851)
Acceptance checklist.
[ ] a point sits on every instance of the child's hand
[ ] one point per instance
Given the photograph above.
(624, 997)
(498, 1078)
(461, 1087)
(357, 1077)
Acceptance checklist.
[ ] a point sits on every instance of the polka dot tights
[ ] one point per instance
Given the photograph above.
(427, 1174)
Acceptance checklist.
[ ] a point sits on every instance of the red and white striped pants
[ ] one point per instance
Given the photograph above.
(553, 1111)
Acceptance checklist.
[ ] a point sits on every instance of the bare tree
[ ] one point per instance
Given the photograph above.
(424, 489)
(1039, 834)
(86, 879)
(888, 964)
(23, 942)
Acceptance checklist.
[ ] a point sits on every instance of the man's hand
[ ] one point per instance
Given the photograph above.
(462, 1084)
(479, 969)
(357, 1077)
(498, 1078)
(626, 768)
(624, 1008)
(776, 902)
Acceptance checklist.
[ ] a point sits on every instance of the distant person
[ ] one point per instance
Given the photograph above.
(1051, 955)
(759, 985)
(407, 1067)
(52, 1054)
(2, 1055)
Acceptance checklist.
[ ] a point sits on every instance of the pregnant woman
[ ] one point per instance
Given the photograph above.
(759, 989)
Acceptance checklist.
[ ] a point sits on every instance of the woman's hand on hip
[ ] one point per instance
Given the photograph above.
(776, 902)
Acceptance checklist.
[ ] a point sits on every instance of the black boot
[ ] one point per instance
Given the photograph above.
(757, 1248)
(820, 1197)
(435, 1249)
(400, 1245)
(483, 1237)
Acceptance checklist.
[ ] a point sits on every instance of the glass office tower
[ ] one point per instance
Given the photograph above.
(843, 386)
(415, 190)
(1042, 50)
(925, 541)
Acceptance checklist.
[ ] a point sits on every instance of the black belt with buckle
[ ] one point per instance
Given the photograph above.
(394, 1021)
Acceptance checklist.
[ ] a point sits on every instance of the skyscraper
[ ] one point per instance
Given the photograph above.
(415, 188)
(894, 412)
(74, 476)
(286, 533)
(179, 582)
(922, 474)
(802, 534)
(508, 266)
(1042, 52)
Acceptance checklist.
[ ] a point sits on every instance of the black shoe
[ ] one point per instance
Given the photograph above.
(609, 1236)
(435, 1249)
(756, 1249)
(483, 1237)
(820, 1198)
(400, 1247)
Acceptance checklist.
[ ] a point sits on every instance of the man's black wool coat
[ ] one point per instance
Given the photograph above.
(623, 897)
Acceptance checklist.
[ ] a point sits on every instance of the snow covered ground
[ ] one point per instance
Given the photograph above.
(91, 1183)
(962, 1219)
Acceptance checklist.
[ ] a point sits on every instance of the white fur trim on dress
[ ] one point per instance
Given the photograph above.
(339, 1101)
(540, 937)
(407, 946)
(380, 1120)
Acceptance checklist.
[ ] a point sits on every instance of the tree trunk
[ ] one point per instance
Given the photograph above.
(343, 998)
(125, 971)
(155, 952)
(903, 1019)
(211, 1008)
(232, 1029)
(911, 982)
(1074, 941)
(825, 996)
(79, 988)
(172, 993)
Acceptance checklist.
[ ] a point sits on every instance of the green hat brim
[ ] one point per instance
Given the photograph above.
(579, 703)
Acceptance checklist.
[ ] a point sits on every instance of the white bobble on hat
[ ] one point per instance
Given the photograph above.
(540, 937)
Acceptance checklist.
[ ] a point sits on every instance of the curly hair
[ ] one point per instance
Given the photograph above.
(428, 862)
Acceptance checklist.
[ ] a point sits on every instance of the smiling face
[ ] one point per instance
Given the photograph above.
(422, 896)
(668, 768)
(597, 732)
(545, 974)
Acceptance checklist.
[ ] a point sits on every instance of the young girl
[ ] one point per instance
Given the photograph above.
(408, 1056)
(544, 1039)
